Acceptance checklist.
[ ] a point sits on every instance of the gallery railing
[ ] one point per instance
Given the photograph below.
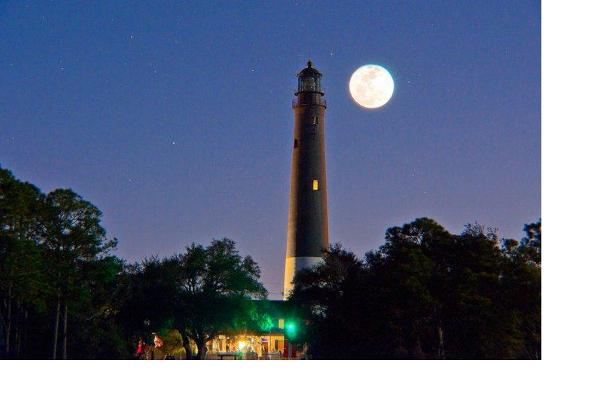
(307, 102)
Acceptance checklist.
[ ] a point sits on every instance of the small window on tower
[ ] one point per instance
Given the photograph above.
(315, 184)
(295, 143)
(315, 120)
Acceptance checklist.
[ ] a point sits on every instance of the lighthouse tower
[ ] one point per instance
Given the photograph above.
(307, 234)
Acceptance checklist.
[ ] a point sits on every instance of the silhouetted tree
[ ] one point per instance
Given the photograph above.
(22, 284)
(203, 292)
(53, 262)
(426, 293)
(73, 238)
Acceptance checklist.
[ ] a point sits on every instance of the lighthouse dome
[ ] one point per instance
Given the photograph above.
(309, 70)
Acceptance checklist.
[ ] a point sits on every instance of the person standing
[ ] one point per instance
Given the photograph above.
(139, 351)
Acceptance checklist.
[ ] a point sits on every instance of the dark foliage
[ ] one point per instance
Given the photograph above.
(56, 275)
(203, 292)
(427, 294)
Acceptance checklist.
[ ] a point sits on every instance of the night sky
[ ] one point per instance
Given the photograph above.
(176, 120)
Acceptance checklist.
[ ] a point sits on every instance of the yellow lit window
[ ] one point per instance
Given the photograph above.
(281, 323)
(315, 184)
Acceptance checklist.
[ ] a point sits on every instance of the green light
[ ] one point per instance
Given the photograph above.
(291, 329)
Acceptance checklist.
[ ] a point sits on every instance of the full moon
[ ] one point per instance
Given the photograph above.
(371, 86)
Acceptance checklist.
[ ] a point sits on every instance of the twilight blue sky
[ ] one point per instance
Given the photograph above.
(176, 121)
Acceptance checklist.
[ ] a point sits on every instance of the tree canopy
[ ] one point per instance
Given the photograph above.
(201, 293)
(425, 293)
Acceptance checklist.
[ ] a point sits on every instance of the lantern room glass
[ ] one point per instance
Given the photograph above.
(309, 84)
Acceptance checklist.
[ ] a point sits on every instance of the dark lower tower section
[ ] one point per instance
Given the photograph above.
(308, 233)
